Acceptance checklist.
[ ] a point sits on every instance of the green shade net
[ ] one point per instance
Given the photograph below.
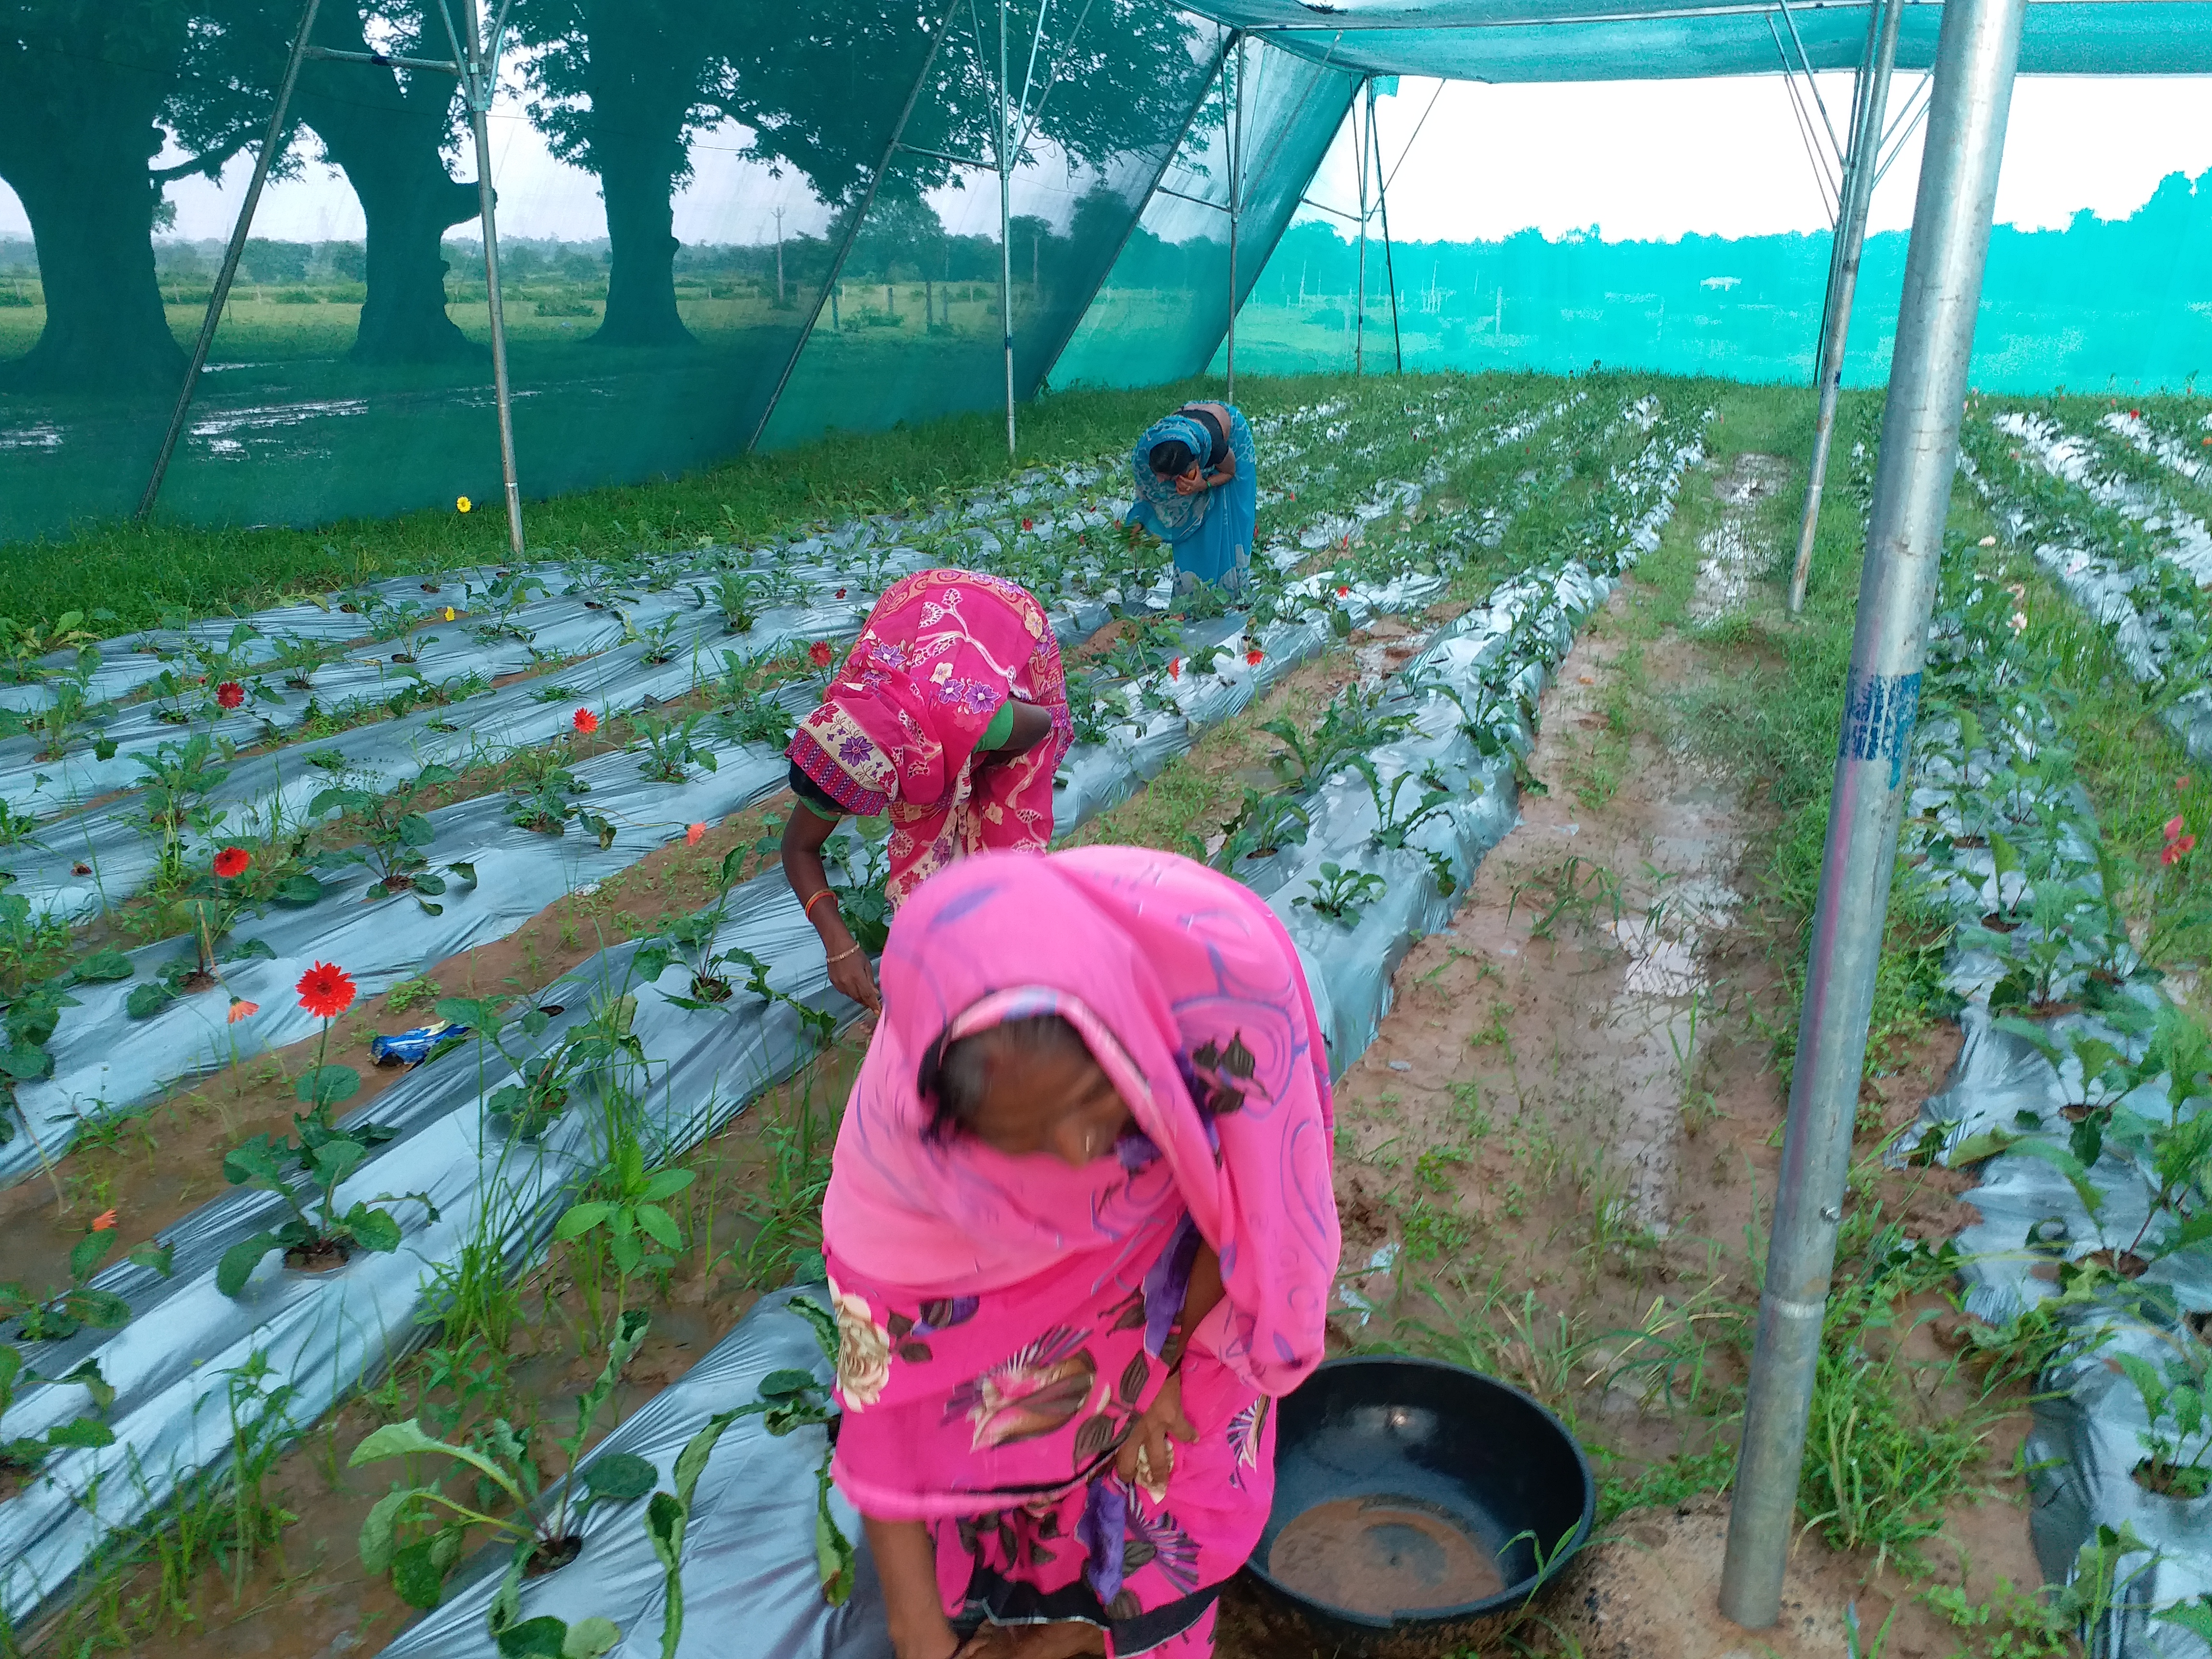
(352, 376)
(1104, 93)
(1166, 304)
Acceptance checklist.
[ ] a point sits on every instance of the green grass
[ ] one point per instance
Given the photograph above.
(140, 573)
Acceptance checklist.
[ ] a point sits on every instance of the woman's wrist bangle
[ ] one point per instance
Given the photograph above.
(829, 893)
(849, 951)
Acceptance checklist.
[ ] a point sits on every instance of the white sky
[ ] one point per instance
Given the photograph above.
(1641, 160)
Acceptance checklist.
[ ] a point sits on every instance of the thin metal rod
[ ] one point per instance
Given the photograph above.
(944, 155)
(1805, 133)
(1430, 24)
(1890, 160)
(1235, 138)
(1860, 78)
(332, 54)
(1389, 264)
(1360, 169)
(1812, 81)
(1418, 126)
(1842, 288)
(481, 78)
(1318, 207)
(1007, 227)
(1053, 79)
(1977, 55)
(220, 296)
(860, 212)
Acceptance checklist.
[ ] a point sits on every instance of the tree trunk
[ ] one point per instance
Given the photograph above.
(640, 248)
(642, 79)
(386, 140)
(85, 189)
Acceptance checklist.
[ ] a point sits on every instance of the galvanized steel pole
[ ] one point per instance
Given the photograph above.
(1843, 281)
(220, 294)
(1975, 59)
(1006, 228)
(1236, 140)
(479, 83)
(1359, 334)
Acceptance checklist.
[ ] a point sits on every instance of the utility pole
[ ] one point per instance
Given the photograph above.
(1975, 57)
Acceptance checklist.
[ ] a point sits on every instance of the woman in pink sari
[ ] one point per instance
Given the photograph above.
(1081, 1233)
(949, 716)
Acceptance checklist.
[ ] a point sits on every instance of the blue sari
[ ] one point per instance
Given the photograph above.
(1211, 531)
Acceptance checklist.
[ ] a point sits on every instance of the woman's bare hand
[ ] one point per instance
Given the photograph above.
(1146, 1456)
(853, 978)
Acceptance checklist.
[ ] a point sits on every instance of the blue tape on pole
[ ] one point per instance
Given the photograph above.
(1879, 710)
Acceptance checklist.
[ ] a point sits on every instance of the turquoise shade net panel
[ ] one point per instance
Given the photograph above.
(725, 224)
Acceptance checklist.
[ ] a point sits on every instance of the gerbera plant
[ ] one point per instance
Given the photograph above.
(314, 1160)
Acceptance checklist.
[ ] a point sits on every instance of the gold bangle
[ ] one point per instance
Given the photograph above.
(849, 951)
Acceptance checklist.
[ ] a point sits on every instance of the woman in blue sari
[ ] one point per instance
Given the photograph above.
(1198, 490)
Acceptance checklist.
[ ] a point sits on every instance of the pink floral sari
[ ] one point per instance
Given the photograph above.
(942, 651)
(1004, 1320)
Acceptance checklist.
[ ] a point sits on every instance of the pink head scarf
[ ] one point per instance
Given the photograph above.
(896, 734)
(1188, 993)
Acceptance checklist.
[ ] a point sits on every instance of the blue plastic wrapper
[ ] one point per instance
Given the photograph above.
(413, 1047)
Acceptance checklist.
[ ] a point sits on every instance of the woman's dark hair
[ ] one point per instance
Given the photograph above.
(952, 1074)
(1172, 459)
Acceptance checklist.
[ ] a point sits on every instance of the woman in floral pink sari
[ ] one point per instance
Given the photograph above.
(1081, 1233)
(949, 716)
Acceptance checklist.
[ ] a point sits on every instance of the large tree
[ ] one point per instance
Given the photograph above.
(388, 130)
(91, 92)
(620, 86)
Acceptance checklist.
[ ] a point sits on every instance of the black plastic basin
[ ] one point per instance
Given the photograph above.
(1447, 1494)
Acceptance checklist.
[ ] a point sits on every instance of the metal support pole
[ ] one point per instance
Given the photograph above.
(1843, 281)
(481, 79)
(1360, 168)
(1236, 142)
(220, 295)
(1005, 227)
(1389, 264)
(1976, 56)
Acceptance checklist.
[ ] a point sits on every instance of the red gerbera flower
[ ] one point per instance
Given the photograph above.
(1025, 524)
(821, 653)
(241, 1009)
(841, 592)
(1174, 669)
(695, 833)
(104, 1222)
(1254, 657)
(326, 990)
(229, 694)
(232, 861)
(586, 720)
(1343, 592)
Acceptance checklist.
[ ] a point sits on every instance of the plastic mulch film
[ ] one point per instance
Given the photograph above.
(100, 1073)
(915, 332)
(752, 1588)
(174, 1367)
(2009, 842)
(1163, 307)
(751, 1552)
(2121, 581)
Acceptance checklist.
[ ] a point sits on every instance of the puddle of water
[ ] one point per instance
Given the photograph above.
(1728, 558)
(1657, 1011)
